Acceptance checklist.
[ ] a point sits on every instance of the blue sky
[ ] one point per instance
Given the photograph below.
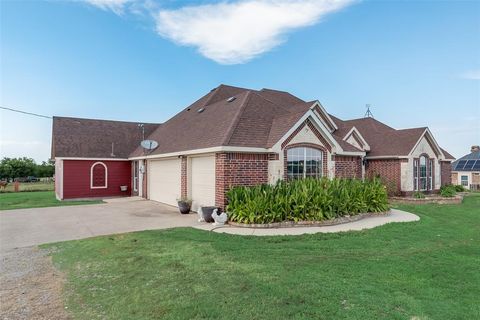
(416, 63)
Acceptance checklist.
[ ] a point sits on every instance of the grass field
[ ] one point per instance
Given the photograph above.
(420, 270)
(22, 200)
(32, 186)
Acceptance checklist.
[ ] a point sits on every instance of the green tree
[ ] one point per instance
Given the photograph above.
(11, 168)
(46, 169)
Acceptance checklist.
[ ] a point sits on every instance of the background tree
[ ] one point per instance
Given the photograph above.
(46, 169)
(11, 168)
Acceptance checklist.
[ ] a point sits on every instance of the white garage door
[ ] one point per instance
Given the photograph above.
(202, 185)
(164, 181)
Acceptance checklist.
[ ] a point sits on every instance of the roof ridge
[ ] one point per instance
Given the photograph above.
(236, 118)
(272, 102)
(414, 128)
(213, 92)
(366, 118)
(105, 120)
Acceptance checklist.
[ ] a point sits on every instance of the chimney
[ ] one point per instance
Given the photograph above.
(475, 149)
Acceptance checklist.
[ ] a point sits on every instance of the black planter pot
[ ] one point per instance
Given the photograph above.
(184, 207)
(207, 213)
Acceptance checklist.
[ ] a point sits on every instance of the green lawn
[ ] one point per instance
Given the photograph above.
(420, 270)
(38, 199)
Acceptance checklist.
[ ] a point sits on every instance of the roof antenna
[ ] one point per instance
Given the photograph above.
(140, 125)
(112, 154)
(368, 114)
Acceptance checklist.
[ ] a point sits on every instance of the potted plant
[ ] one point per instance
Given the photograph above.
(184, 205)
(206, 213)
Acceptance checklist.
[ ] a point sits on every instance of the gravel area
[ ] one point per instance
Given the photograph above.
(30, 287)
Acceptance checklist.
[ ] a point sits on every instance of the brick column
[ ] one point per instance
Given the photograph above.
(184, 181)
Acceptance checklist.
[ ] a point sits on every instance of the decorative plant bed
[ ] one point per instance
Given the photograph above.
(290, 224)
(428, 199)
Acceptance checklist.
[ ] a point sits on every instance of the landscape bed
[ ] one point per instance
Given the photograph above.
(304, 200)
(290, 224)
(422, 270)
(428, 199)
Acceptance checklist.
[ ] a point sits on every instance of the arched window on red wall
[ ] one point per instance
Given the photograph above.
(98, 176)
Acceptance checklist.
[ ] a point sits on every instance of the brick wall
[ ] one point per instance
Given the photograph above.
(388, 170)
(184, 178)
(446, 172)
(348, 167)
(238, 169)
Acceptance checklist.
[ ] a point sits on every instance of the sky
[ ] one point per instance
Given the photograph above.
(417, 63)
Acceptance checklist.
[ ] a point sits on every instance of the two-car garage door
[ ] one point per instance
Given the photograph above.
(164, 181)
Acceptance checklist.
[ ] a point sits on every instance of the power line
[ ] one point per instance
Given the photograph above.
(25, 112)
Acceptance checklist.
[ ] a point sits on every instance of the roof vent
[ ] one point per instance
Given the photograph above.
(201, 110)
(231, 99)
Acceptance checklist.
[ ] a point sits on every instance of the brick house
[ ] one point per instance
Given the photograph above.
(466, 170)
(239, 137)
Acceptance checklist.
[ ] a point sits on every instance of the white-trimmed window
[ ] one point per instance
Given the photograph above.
(98, 176)
(135, 175)
(303, 163)
(464, 181)
(423, 173)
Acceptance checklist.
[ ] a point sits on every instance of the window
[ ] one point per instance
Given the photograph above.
(304, 163)
(98, 176)
(423, 173)
(430, 174)
(135, 175)
(464, 181)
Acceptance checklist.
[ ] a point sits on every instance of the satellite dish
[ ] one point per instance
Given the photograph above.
(149, 144)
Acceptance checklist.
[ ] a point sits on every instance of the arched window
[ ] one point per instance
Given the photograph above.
(304, 162)
(98, 176)
(423, 173)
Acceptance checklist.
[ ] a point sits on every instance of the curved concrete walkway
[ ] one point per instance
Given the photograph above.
(366, 223)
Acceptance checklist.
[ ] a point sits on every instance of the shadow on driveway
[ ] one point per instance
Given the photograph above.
(27, 227)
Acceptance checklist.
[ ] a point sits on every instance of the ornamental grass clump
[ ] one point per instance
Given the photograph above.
(306, 200)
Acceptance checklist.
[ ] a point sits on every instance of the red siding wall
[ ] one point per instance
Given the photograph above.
(76, 179)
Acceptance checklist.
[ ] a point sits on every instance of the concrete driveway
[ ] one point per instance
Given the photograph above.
(27, 227)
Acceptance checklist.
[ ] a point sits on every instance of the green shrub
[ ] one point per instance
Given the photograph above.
(459, 188)
(305, 200)
(418, 195)
(448, 191)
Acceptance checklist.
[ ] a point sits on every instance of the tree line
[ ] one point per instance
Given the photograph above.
(11, 168)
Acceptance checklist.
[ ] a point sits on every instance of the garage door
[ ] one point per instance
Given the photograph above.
(164, 181)
(202, 173)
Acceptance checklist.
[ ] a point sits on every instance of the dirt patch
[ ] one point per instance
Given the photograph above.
(30, 286)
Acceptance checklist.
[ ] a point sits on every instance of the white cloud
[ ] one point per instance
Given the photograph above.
(471, 75)
(116, 6)
(236, 32)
